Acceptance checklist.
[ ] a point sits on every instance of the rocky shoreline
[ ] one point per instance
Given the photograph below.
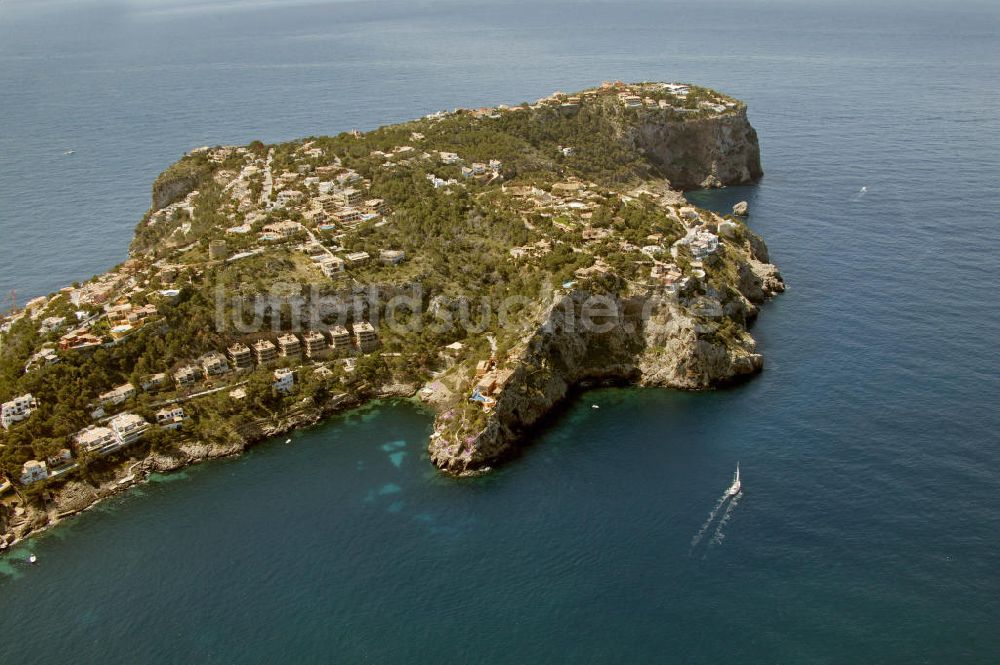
(77, 496)
(656, 340)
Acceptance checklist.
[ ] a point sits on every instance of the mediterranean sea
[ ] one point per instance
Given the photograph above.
(869, 526)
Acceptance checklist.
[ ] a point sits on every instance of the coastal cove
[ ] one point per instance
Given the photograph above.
(868, 527)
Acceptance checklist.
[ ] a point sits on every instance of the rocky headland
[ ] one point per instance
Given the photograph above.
(489, 261)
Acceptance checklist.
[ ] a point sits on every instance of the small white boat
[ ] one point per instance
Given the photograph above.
(288, 440)
(735, 488)
(594, 406)
(69, 152)
(32, 558)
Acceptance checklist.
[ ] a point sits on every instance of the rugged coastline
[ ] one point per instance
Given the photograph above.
(558, 226)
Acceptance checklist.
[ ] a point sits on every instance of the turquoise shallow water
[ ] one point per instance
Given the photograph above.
(869, 525)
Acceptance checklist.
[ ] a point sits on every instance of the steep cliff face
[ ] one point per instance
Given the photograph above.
(693, 338)
(708, 152)
(171, 187)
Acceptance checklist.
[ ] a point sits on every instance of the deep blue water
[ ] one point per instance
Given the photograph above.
(870, 522)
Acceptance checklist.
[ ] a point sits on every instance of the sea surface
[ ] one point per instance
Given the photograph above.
(868, 530)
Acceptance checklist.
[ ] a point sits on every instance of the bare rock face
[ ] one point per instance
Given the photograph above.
(710, 152)
(170, 188)
(75, 496)
(741, 209)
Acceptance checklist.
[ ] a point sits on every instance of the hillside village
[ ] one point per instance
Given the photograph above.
(457, 207)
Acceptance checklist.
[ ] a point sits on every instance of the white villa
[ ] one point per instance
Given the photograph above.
(119, 395)
(284, 380)
(332, 266)
(17, 409)
(128, 428)
(170, 417)
(96, 439)
(33, 471)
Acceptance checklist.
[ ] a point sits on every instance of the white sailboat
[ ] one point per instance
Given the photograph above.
(735, 488)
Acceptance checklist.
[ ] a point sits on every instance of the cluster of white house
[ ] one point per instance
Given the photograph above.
(339, 341)
(336, 267)
(478, 169)
(121, 431)
(125, 429)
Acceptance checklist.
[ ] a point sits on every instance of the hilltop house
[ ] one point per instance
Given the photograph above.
(214, 363)
(340, 340)
(96, 439)
(33, 471)
(170, 417)
(187, 375)
(365, 336)
(265, 351)
(284, 380)
(280, 230)
(357, 258)
(152, 382)
(240, 356)
(289, 346)
(392, 257)
(17, 409)
(119, 395)
(332, 266)
(314, 343)
(128, 428)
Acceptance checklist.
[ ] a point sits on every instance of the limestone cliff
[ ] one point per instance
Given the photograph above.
(690, 338)
(714, 151)
(178, 181)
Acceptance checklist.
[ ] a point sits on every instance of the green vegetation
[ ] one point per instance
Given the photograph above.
(539, 218)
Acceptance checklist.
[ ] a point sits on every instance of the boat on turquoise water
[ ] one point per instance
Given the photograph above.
(735, 488)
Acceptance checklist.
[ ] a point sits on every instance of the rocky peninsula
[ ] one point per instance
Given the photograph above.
(486, 260)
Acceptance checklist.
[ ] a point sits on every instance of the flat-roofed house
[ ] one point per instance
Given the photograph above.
(357, 258)
(340, 340)
(350, 196)
(33, 471)
(152, 382)
(119, 395)
(17, 409)
(187, 375)
(284, 380)
(265, 351)
(128, 428)
(332, 266)
(289, 346)
(96, 439)
(281, 230)
(240, 355)
(314, 344)
(171, 417)
(214, 363)
(365, 336)
(391, 257)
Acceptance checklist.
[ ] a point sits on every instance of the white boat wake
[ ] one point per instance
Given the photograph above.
(719, 536)
(729, 499)
(708, 522)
